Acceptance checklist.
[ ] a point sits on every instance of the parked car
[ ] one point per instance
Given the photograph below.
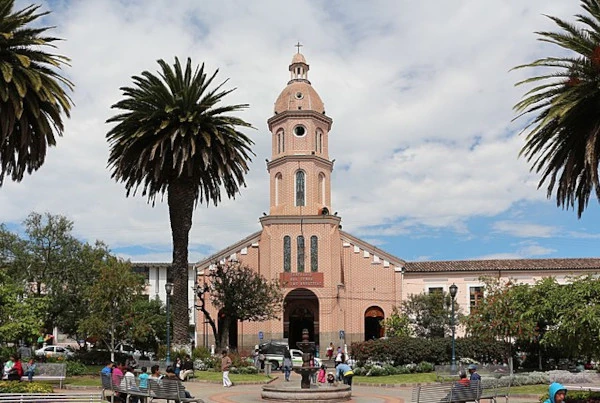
(55, 351)
(273, 352)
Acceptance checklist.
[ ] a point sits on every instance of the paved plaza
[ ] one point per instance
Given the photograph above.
(250, 393)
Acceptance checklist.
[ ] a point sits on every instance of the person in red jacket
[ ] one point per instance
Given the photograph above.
(16, 372)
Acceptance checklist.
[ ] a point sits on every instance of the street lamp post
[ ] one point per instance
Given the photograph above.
(453, 291)
(168, 289)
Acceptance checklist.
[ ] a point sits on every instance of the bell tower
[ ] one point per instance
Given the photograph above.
(299, 169)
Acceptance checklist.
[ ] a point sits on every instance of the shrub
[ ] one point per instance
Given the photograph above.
(245, 370)
(376, 370)
(425, 366)
(578, 396)
(25, 387)
(75, 368)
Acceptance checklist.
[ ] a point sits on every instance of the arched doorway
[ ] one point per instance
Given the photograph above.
(373, 317)
(301, 311)
(233, 330)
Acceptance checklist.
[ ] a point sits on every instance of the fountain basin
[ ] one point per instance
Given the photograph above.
(317, 394)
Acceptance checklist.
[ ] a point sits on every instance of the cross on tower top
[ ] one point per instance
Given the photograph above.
(298, 45)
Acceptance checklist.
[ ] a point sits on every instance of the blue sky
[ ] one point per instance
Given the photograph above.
(420, 94)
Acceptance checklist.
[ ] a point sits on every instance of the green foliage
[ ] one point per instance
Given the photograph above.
(25, 387)
(75, 368)
(97, 357)
(430, 314)
(148, 325)
(32, 91)
(200, 353)
(245, 370)
(112, 303)
(561, 110)
(502, 314)
(407, 350)
(200, 153)
(397, 324)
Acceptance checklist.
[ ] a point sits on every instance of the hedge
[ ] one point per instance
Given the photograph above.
(406, 350)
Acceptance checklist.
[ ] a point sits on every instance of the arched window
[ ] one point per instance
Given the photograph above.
(280, 142)
(321, 188)
(314, 253)
(278, 189)
(300, 253)
(319, 141)
(300, 186)
(287, 253)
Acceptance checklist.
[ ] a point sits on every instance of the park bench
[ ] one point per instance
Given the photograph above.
(486, 389)
(165, 389)
(48, 372)
(161, 364)
(50, 397)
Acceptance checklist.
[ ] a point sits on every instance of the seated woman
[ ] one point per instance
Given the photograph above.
(16, 372)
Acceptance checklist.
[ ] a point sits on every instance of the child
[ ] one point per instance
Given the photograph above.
(322, 376)
(143, 378)
(330, 379)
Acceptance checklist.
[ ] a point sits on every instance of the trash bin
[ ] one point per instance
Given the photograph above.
(268, 368)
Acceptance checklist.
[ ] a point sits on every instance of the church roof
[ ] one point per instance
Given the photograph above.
(503, 265)
(299, 95)
(298, 58)
(230, 250)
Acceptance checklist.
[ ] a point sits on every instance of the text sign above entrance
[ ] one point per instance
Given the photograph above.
(294, 280)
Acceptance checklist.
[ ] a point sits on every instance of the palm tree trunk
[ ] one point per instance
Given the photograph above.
(181, 198)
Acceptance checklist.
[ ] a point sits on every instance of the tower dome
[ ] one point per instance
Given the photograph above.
(299, 93)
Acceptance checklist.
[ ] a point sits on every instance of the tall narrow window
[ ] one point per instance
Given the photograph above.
(300, 254)
(300, 188)
(278, 189)
(314, 253)
(321, 188)
(287, 254)
(319, 142)
(280, 141)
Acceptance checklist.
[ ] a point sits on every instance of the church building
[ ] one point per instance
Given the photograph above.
(336, 285)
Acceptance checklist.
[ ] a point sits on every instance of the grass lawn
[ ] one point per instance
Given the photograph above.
(397, 379)
(529, 390)
(94, 380)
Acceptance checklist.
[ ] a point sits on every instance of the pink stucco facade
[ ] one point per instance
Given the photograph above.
(346, 283)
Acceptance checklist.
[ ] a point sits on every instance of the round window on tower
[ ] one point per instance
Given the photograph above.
(299, 95)
(299, 130)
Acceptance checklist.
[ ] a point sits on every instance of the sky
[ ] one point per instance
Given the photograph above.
(421, 97)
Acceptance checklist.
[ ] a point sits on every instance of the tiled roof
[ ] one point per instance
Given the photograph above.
(503, 264)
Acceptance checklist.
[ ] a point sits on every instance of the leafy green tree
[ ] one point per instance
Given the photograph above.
(563, 140)
(32, 91)
(397, 324)
(503, 314)
(148, 319)
(575, 327)
(173, 136)
(429, 314)
(21, 315)
(239, 293)
(112, 301)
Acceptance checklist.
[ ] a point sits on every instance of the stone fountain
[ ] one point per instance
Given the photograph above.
(306, 391)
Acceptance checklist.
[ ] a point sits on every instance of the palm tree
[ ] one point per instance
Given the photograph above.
(563, 140)
(174, 137)
(32, 92)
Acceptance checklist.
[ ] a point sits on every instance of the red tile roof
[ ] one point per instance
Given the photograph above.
(503, 264)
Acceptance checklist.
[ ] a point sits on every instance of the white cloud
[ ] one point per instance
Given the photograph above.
(525, 230)
(420, 95)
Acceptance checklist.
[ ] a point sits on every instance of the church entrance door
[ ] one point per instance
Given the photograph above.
(301, 311)
(373, 317)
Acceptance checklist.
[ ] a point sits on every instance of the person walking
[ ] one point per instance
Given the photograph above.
(287, 364)
(225, 366)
